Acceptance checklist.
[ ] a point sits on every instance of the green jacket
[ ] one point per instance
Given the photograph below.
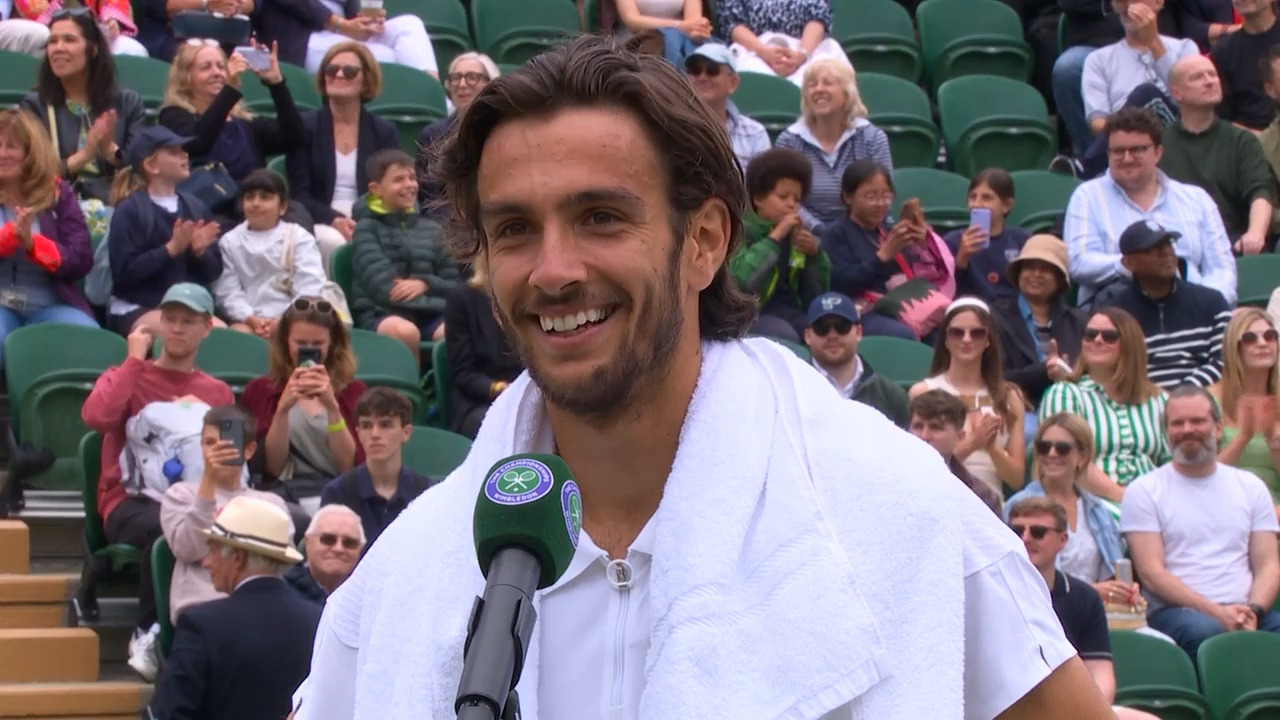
(397, 245)
(755, 266)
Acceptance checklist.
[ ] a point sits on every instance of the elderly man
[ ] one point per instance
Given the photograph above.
(239, 658)
(1204, 150)
(712, 73)
(333, 542)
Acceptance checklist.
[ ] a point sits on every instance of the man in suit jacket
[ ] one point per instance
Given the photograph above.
(241, 657)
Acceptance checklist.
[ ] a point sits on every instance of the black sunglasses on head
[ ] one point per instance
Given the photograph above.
(70, 12)
(304, 304)
(825, 325)
(1037, 531)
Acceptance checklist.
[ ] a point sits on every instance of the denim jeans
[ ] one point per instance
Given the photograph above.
(676, 46)
(1068, 94)
(1190, 627)
(66, 314)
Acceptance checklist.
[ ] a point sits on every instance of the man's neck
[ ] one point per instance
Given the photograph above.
(1144, 196)
(1137, 42)
(346, 110)
(721, 110)
(168, 362)
(228, 484)
(1259, 22)
(643, 439)
(1197, 119)
(1156, 288)
(327, 582)
(159, 187)
(1049, 573)
(385, 475)
(842, 373)
(1196, 470)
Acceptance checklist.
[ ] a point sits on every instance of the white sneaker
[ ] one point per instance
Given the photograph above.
(142, 652)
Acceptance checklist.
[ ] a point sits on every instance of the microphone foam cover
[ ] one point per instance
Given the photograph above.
(529, 501)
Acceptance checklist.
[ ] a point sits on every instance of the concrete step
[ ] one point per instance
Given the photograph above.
(46, 655)
(24, 589)
(15, 547)
(114, 626)
(55, 537)
(74, 701)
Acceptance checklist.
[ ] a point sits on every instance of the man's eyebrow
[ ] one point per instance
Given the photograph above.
(608, 195)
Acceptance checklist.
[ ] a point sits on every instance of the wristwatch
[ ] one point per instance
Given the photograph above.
(1258, 611)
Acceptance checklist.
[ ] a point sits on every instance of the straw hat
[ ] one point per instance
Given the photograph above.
(1046, 248)
(255, 526)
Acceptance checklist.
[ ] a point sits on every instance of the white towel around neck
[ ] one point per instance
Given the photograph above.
(808, 563)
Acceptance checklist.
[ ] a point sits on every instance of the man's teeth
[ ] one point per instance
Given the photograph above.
(565, 323)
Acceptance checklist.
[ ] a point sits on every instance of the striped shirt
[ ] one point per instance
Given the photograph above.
(862, 140)
(1183, 330)
(748, 137)
(1128, 440)
(1100, 210)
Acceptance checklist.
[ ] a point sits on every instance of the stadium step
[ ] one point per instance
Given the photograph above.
(74, 700)
(41, 655)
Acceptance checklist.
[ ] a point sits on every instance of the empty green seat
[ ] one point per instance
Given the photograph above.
(905, 362)
(434, 452)
(162, 564)
(1257, 276)
(1156, 676)
(991, 121)
(411, 99)
(1238, 671)
(383, 361)
(143, 75)
(944, 196)
(971, 37)
(50, 369)
(19, 76)
(102, 560)
(446, 23)
(233, 357)
(341, 269)
(770, 100)
(301, 84)
(512, 31)
(1040, 199)
(901, 109)
(441, 384)
(877, 35)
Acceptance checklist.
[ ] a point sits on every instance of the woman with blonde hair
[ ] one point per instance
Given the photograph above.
(1063, 447)
(1109, 388)
(44, 243)
(1248, 394)
(966, 363)
(481, 363)
(305, 405)
(327, 170)
(833, 131)
(202, 102)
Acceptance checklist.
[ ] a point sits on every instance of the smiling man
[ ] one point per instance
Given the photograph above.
(750, 509)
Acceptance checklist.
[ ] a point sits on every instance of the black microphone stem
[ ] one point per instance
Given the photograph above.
(498, 636)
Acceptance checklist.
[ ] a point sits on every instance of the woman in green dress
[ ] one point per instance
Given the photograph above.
(1248, 394)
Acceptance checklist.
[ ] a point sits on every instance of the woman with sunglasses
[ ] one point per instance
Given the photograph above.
(327, 171)
(1109, 388)
(90, 118)
(305, 405)
(202, 102)
(1063, 448)
(467, 76)
(1248, 394)
(966, 363)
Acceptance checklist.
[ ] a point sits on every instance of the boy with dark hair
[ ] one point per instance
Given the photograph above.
(382, 487)
(401, 271)
(781, 261)
(938, 417)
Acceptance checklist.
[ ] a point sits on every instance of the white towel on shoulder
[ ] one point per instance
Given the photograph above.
(808, 564)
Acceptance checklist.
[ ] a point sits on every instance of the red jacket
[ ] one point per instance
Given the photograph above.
(261, 397)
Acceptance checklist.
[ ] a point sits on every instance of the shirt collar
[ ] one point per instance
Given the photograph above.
(364, 483)
(1061, 585)
(588, 554)
(1025, 309)
(847, 390)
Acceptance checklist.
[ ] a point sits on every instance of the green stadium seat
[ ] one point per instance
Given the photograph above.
(102, 560)
(901, 109)
(508, 68)
(233, 357)
(302, 88)
(944, 196)
(434, 452)
(1156, 676)
(512, 31)
(905, 362)
(446, 23)
(440, 381)
(341, 270)
(383, 361)
(19, 76)
(50, 369)
(411, 99)
(143, 75)
(878, 37)
(971, 37)
(1238, 674)
(162, 564)
(1040, 199)
(772, 101)
(279, 166)
(1257, 276)
(991, 121)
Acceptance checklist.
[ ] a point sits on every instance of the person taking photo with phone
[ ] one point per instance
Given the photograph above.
(984, 249)
(227, 444)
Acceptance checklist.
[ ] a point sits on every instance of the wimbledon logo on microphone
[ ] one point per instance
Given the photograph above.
(571, 504)
(518, 482)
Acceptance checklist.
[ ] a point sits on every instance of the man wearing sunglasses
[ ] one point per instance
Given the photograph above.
(334, 540)
(1183, 322)
(713, 75)
(832, 336)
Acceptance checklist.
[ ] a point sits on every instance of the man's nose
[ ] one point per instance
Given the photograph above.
(559, 262)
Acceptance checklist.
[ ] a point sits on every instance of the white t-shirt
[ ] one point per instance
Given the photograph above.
(1205, 524)
(344, 180)
(1081, 557)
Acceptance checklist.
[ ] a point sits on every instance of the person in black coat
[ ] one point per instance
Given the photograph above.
(241, 657)
(481, 363)
(1036, 327)
(466, 77)
(327, 171)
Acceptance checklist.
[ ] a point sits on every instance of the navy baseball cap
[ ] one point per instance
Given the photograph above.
(1144, 235)
(150, 140)
(833, 303)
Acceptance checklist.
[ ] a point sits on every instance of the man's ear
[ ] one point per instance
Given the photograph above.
(250, 448)
(708, 234)
(1127, 262)
(962, 433)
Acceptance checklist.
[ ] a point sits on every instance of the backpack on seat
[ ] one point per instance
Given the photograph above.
(163, 447)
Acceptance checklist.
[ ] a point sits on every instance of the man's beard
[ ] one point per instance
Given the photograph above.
(638, 367)
(1204, 451)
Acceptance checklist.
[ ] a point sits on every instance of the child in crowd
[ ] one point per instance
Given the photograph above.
(159, 236)
(938, 418)
(382, 487)
(266, 260)
(781, 261)
(402, 272)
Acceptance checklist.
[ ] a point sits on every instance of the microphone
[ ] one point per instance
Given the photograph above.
(527, 521)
